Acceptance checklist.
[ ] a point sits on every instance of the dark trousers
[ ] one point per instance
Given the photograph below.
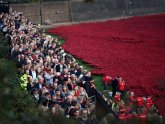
(122, 93)
(105, 86)
(114, 90)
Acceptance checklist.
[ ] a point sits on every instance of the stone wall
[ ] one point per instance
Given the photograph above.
(31, 11)
(47, 12)
(102, 9)
(55, 12)
(64, 11)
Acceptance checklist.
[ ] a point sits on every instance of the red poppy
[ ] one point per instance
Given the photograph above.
(132, 48)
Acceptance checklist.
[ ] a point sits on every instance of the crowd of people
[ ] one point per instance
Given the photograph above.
(126, 105)
(54, 79)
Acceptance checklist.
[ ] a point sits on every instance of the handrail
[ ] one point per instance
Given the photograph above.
(102, 104)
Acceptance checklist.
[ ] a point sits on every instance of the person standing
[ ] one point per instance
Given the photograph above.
(115, 83)
(84, 117)
(121, 87)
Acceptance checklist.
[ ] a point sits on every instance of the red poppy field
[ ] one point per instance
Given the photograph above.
(132, 48)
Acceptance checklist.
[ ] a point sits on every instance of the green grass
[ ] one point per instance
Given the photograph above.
(60, 40)
(82, 63)
(97, 78)
(98, 81)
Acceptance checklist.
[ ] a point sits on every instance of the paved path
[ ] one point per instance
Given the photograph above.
(71, 23)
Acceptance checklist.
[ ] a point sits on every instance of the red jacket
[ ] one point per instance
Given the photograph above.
(121, 85)
(139, 101)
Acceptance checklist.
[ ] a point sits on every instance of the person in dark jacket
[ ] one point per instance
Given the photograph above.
(60, 67)
(115, 83)
(84, 117)
(30, 84)
(40, 83)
